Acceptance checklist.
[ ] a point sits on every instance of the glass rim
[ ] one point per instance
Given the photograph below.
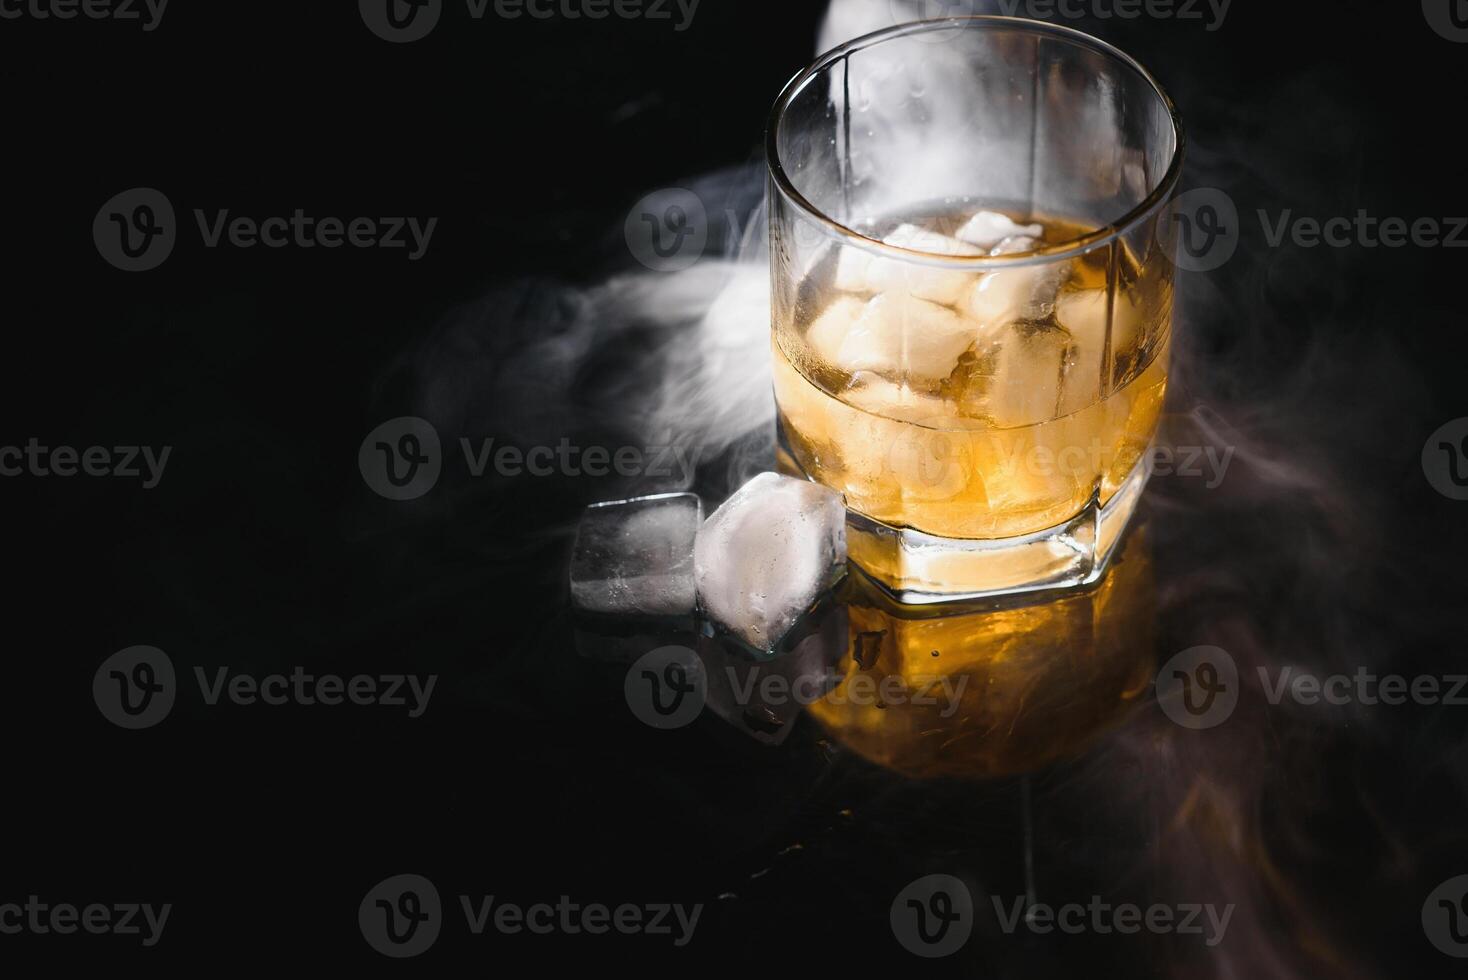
(1050, 252)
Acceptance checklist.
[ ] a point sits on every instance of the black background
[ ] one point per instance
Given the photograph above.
(262, 549)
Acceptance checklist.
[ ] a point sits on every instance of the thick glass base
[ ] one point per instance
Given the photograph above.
(919, 569)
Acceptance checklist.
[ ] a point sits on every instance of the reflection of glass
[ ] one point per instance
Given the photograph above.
(998, 692)
(971, 303)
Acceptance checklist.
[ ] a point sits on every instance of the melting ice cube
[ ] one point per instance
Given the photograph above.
(636, 556)
(894, 334)
(988, 228)
(1025, 293)
(1083, 314)
(927, 460)
(765, 556)
(862, 272)
(1016, 378)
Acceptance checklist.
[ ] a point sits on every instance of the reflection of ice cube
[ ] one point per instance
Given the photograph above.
(1017, 378)
(636, 556)
(763, 699)
(988, 228)
(763, 558)
(862, 272)
(894, 334)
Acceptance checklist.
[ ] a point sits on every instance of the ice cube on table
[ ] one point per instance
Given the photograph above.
(635, 557)
(765, 556)
(988, 228)
(858, 271)
(894, 334)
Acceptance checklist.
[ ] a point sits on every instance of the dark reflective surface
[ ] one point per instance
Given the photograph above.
(999, 691)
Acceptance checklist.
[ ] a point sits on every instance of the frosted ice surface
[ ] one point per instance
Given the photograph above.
(894, 334)
(988, 228)
(1024, 293)
(858, 271)
(765, 556)
(1017, 378)
(636, 556)
(1083, 315)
